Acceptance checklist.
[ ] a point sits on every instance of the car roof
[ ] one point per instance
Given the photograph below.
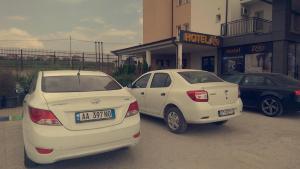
(175, 70)
(71, 73)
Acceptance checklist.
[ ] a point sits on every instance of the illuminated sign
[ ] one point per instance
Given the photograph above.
(200, 39)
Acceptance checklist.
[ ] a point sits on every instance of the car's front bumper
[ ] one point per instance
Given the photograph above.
(68, 144)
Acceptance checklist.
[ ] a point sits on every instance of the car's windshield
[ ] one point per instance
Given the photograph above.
(233, 78)
(82, 83)
(194, 77)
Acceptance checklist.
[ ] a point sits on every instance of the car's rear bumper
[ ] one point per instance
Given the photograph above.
(199, 113)
(68, 144)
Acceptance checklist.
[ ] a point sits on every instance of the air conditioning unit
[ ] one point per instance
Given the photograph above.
(244, 11)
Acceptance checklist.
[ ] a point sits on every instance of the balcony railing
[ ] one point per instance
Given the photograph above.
(246, 26)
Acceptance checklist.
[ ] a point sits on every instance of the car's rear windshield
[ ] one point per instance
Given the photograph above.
(81, 83)
(194, 77)
(285, 80)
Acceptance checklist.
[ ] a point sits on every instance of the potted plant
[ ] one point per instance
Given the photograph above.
(8, 89)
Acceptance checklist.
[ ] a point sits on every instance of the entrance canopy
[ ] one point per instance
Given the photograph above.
(186, 44)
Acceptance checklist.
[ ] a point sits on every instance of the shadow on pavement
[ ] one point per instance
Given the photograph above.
(104, 160)
(202, 129)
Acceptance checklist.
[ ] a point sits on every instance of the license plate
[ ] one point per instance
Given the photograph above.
(81, 117)
(226, 112)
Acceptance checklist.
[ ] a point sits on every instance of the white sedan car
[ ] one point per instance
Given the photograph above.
(186, 96)
(70, 114)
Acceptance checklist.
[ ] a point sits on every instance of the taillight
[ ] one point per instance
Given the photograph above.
(297, 92)
(198, 95)
(239, 94)
(133, 109)
(44, 150)
(43, 117)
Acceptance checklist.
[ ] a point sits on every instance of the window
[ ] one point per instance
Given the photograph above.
(259, 22)
(161, 80)
(194, 77)
(82, 83)
(218, 18)
(186, 27)
(257, 81)
(182, 2)
(142, 82)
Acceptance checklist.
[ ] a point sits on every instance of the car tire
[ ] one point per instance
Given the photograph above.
(271, 106)
(28, 163)
(220, 123)
(175, 120)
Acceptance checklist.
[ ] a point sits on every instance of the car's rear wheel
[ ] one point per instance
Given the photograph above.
(175, 120)
(271, 106)
(220, 123)
(28, 162)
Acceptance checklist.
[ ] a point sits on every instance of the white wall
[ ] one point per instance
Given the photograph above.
(203, 16)
(203, 13)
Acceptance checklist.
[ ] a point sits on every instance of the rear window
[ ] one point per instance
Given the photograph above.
(82, 83)
(285, 80)
(194, 77)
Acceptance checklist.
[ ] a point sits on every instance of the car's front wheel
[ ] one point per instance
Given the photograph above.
(271, 106)
(28, 162)
(175, 120)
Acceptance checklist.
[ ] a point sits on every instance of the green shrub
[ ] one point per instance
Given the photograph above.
(25, 80)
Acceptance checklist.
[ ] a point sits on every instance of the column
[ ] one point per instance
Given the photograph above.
(179, 56)
(148, 58)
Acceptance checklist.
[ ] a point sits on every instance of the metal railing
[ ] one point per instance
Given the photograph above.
(23, 60)
(246, 26)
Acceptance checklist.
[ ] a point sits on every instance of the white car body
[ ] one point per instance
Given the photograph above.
(155, 101)
(68, 139)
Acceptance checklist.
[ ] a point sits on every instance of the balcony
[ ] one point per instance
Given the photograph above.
(251, 25)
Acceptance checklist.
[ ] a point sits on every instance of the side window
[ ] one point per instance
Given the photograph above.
(142, 82)
(33, 84)
(161, 80)
(269, 82)
(254, 81)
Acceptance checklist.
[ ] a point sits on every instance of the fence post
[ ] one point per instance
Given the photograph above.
(21, 59)
(82, 61)
(54, 58)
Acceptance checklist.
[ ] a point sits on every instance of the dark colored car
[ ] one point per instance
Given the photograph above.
(272, 93)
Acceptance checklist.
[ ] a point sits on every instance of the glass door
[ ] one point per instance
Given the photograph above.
(208, 63)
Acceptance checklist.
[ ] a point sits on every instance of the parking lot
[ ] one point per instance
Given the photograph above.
(247, 142)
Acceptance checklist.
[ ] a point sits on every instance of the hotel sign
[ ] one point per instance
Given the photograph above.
(200, 39)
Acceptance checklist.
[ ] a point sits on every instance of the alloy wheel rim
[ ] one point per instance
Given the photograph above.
(270, 106)
(173, 120)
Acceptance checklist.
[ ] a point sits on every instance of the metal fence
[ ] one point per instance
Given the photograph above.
(246, 26)
(26, 60)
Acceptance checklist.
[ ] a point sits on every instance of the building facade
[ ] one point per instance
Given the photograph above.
(221, 36)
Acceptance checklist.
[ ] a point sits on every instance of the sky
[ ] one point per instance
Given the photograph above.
(48, 24)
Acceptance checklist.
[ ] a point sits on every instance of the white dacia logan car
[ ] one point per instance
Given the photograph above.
(186, 96)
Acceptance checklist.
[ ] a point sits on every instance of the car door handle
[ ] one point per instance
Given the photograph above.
(142, 93)
(163, 94)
